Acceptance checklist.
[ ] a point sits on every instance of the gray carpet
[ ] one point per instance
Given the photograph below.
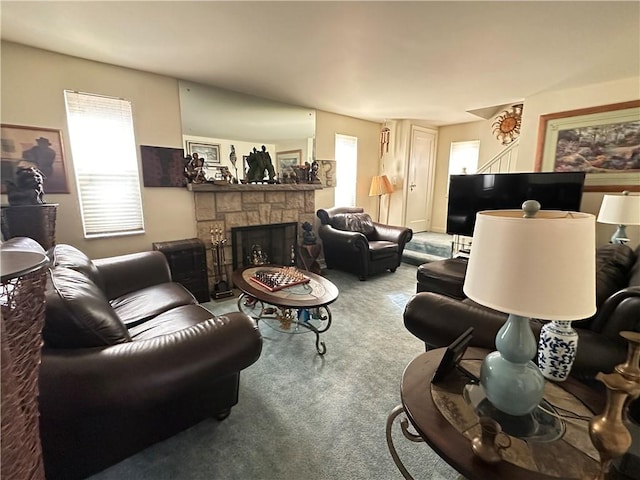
(303, 416)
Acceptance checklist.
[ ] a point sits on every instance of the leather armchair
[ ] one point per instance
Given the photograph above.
(354, 243)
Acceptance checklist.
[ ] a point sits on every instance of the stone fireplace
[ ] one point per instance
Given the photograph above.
(228, 207)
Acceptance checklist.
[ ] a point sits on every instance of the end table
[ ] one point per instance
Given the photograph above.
(309, 254)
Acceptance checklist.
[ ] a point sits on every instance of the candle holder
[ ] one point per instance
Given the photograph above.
(608, 431)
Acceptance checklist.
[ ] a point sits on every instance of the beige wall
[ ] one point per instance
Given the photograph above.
(368, 134)
(33, 82)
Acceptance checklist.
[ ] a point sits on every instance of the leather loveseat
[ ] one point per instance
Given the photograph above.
(354, 243)
(439, 319)
(129, 359)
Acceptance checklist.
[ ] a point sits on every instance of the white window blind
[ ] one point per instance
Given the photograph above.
(346, 170)
(106, 166)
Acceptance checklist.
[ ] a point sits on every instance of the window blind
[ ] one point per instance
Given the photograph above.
(105, 161)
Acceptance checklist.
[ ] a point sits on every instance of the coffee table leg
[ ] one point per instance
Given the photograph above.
(404, 424)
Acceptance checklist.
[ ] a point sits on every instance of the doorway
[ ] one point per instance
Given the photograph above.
(420, 179)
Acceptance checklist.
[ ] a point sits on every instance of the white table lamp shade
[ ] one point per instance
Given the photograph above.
(541, 267)
(620, 210)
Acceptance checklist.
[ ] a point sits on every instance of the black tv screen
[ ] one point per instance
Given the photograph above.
(470, 194)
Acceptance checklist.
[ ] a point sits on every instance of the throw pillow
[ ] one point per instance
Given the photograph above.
(353, 222)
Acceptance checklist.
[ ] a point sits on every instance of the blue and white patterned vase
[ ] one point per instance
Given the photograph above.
(557, 350)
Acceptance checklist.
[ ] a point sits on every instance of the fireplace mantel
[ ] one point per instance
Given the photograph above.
(253, 187)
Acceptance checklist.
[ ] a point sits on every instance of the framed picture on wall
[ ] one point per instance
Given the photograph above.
(34, 147)
(603, 141)
(210, 152)
(162, 166)
(287, 160)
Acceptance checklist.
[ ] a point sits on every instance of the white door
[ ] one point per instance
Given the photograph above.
(420, 179)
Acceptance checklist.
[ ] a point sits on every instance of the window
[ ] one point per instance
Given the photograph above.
(106, 166)
(463, 157)
(346, 169)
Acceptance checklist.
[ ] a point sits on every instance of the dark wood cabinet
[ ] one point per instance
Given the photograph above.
(188, 263)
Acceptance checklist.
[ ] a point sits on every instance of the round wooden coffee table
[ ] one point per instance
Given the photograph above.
(447, 421)
(296, 309)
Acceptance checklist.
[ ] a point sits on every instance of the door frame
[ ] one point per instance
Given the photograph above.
(430, 174)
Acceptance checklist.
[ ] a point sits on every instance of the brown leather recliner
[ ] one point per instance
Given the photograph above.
(353, 242)
(129, 359)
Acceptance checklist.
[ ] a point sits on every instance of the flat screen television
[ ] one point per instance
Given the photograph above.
(470, 194)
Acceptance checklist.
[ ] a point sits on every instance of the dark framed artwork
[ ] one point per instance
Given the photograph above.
(34, 147)
(210, 152)
(603, 141)
(162, 166)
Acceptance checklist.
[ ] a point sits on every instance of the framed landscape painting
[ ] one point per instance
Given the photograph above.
(36, 147)
(287, 160)
(602, 141)
(210, 152)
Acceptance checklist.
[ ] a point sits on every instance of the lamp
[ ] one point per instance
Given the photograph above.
(540, 265)
(621, 210)
(380, 185)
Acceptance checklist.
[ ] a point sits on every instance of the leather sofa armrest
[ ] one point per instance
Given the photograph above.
(438, 320)
(139, 374)
(393, 233)
(342, 239)
(619, 312)
(127, 273)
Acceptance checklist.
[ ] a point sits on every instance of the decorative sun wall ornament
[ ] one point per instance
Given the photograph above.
(506, 128)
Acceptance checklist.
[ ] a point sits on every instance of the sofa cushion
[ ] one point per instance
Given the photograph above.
(382, 249)
(141, 305)
(78, 315)
(353, 222)
(613, 270)
(70, 257)
(171, 321)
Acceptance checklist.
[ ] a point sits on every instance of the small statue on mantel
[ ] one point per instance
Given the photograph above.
(313, 175)
(308, 237)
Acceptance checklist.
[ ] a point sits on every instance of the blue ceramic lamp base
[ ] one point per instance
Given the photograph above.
(511, 381)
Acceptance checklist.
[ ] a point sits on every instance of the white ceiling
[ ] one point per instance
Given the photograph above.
(432, 61)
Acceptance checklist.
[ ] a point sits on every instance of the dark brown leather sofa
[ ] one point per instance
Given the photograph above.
(439, 319)
(129, 359)
(354, 243)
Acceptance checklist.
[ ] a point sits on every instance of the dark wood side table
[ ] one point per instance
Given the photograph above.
(444, 420)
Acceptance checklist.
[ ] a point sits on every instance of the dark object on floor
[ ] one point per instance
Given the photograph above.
(354, 243)
(129, 359)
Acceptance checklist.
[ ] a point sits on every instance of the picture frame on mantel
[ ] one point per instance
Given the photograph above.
(38, 147)
(287, 160)
(603, 141)
(210, 152)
